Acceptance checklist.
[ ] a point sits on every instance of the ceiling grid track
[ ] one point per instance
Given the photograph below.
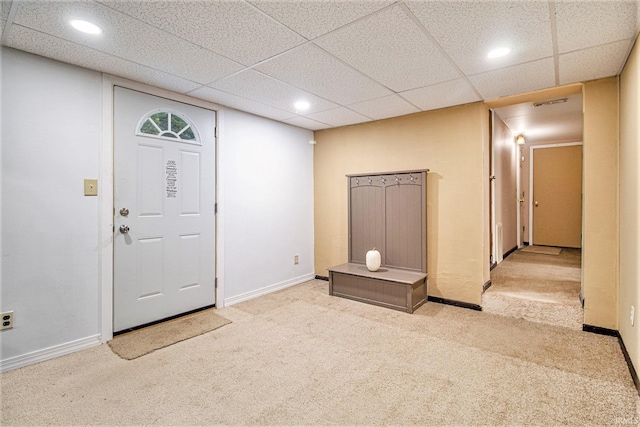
(442, 51)
(554, 40)
(12, 16)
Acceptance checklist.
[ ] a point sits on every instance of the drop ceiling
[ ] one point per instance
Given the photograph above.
(353, 61)
(560, 121)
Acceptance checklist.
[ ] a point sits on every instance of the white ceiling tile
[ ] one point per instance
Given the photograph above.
(306, 123)
(311, 69)
(251, 84)
(339, 117)
(243, 104)
(315, 18)
(594, 63)
(517, 79)
(5, 7)
(126, 37)
(441, 95)
(234, 29)
(590, 23)
(468, 30)
(389, 47)
(72, 53)
(389, 106)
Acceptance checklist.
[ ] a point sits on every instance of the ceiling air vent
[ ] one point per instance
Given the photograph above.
(555, 101)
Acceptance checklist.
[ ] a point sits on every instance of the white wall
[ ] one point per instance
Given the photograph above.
(267, 173)
(51, 134)
(51, 128)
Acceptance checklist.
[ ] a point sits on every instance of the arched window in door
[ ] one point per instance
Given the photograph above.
(167, 124)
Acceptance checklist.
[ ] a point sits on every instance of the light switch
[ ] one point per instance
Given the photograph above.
(90, 187)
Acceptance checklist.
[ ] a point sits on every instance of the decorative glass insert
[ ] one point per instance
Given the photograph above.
(168, 124)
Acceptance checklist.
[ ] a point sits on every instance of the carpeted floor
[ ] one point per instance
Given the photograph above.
(538, 287)
(302, 357)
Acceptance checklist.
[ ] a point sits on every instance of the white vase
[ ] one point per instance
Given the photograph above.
(373, 260)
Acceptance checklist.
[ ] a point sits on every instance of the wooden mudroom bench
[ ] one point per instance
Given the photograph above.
(388, 287)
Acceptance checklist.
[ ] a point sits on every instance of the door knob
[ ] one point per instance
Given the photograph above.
(124, 229)
(536, 203)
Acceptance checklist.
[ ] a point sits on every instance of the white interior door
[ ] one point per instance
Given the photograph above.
(164, 199)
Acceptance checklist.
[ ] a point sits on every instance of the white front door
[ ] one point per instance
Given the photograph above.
(164, 199)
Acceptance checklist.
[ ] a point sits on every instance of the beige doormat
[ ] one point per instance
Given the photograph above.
(143, 341)
(546, 250)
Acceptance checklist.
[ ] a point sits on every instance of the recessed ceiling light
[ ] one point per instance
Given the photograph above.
(85, 26)
(497, 53)
(302, 105)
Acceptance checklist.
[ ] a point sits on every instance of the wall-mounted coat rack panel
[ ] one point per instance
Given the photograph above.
(389, 212)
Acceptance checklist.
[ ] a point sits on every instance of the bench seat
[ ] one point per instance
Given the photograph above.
(399, 289)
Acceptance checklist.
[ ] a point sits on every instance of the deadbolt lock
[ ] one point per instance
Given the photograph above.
(124, 211)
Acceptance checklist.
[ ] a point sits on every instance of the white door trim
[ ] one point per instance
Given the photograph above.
(533, 147)
(106, 207)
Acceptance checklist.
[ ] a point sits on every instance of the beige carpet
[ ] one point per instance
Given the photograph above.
(537, 287)
(144, 341)
(547, 250)
(302, 357)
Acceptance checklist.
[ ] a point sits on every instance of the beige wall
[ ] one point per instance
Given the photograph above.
(504, 162)
(450, 142)
(600, 224)
(629, 204)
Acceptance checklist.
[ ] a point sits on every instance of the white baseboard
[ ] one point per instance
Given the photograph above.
(268, 289)
(48, 353)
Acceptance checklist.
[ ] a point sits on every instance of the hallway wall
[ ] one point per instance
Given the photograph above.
(629, 292)
(600, 204)
(504, 149)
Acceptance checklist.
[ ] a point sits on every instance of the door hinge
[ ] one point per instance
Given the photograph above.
(216, 283)
(215, 208)
(215, 132)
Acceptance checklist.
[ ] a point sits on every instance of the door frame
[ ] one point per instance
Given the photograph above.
(533, 147)
(106, 193)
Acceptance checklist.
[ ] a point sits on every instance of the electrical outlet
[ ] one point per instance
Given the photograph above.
(295, 259)
(632, 315)
(7, 320)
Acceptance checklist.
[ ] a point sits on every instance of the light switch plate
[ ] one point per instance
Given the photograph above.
(90, 187)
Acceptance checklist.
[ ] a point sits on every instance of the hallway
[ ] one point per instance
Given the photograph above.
(537, 287)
